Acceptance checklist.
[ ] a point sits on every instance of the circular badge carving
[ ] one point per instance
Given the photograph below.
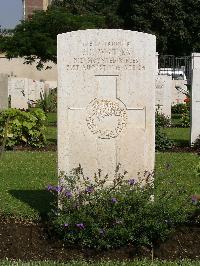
(106, 118)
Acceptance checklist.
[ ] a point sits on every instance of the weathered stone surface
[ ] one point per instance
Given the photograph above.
(195, 107)
(179, 89)
(3, 91)
(35, 90)
(106, 101)
(18, 91)
(164, 94)
(24, 91)
(50, 85)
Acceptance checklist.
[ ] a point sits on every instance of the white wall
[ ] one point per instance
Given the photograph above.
(16, 68)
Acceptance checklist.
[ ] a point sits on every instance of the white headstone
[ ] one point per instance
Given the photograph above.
(3, 91)
(195, 108)
(50, 85)
(179, 90)
(18, 90)
(106, 101)
(35, 90)
(164, 94)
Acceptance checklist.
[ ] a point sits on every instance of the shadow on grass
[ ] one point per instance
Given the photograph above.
(52, 141)
(39, 200)
(181, 143)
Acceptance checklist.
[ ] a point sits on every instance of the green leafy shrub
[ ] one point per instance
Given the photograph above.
(48, 101)
(162, 142)
(180, 108)
(185, 119)
(162, 120)
(22, 128)
(99, 216)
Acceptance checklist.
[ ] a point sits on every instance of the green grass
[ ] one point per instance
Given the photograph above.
(178, 167)
(51, 118)
(25, 175)
(108, 263)
(180, 136)
(51, 135)
(51, 124)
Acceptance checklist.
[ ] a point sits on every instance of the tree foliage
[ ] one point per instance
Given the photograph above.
(35, 39)
(175, 23)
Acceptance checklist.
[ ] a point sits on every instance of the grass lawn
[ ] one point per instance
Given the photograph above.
(51, 118)
(180, 136)
(51, 135)
(25, 176)
(51, 124)
(108, 263)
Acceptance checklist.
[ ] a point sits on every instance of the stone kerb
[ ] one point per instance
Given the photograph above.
(3, 91)
(195, 97)
(106, 101)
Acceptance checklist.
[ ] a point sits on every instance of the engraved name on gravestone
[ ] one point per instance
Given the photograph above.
(3, 91)
(106, 101)
(195, 108)
(164, 94)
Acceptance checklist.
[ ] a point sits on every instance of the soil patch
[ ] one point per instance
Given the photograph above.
(29, 241)
(49, 147)
(185, 149)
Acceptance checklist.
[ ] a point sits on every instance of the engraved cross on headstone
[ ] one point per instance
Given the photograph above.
(107, 115)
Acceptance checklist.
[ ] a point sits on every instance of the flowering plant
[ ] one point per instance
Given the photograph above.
(102, 213)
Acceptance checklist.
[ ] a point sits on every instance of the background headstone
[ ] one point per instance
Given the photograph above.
(195, 107)
(106, 101)
(164, 94)
(18, 90)
(3, 91)
(179, 90)
(50, 85)
(35, 90)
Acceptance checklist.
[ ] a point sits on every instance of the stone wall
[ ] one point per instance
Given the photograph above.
(3, 91)
(16, 68)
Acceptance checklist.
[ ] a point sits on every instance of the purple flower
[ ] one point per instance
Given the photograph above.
(57, 188)
(89, 189)
(194, 200)
(49, 187)
(68, 194)
(66, 225)
(80, 226)
(132, 182)
(114, 200)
